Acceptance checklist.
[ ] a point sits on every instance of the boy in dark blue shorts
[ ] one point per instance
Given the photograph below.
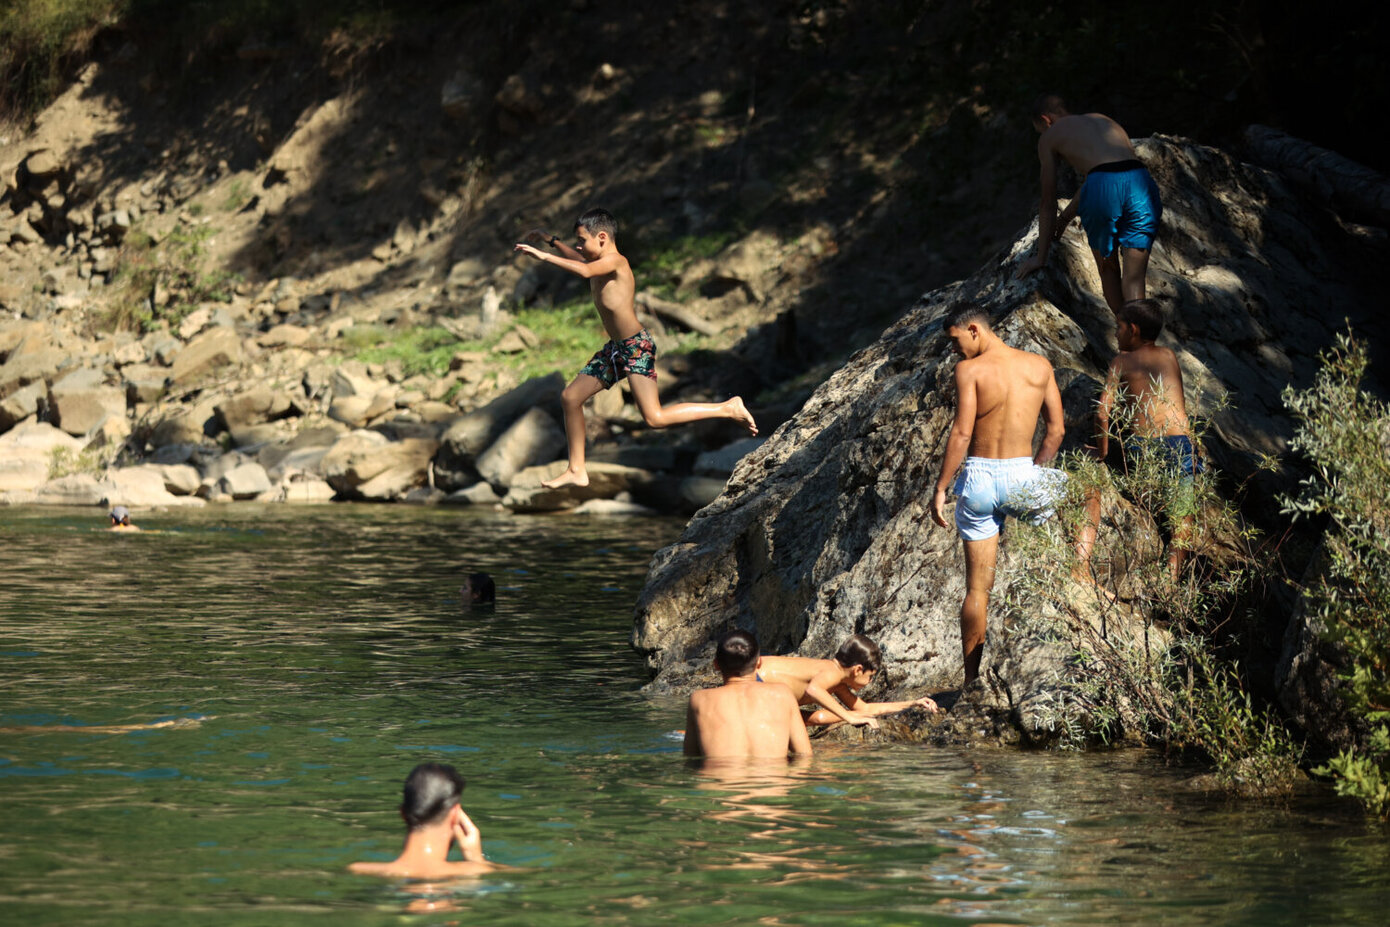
(1118, 201)
(629, 352)
(1146, 381)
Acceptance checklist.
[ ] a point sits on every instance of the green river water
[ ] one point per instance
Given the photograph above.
(324, 652)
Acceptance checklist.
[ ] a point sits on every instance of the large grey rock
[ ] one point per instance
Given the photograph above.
(824, 530)
(308, 490)
(75, 489)
(605, 482)
(81, 399)
(364, 464)
(532, 439)
(246, 481)
(252, 407)
(474, 432)
(39, 436)
(23, 469)
(478, 494)
(140, 486)
(22, 368)
(216, 347)
(180, 479)
(21, 404)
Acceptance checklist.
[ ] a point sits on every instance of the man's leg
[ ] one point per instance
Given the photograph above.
(1136, 265)
(572, 400)
(980, 557)
(1109, 270)
(644, 393)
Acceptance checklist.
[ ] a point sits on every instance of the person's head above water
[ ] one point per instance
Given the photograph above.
(736, 654)
(478, 589)
(120, 515)
(431, 792)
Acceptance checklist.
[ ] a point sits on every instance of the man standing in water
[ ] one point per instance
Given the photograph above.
(1118, 200)
(999, 392)
(745, 717)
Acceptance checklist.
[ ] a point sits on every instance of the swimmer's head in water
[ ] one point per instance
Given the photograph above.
(431, 791)
(736, 654)
(120, 515)
(478, 589)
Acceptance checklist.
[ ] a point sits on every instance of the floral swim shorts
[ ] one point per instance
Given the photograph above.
(617, 359)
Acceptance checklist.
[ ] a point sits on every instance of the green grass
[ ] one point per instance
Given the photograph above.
(658, 268)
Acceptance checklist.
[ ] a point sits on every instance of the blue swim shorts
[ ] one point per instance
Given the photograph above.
(1119, 209)
(1176, 453)
(989, 490)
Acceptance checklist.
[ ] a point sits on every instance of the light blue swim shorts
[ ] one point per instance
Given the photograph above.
(1119, 208)
(990, 489)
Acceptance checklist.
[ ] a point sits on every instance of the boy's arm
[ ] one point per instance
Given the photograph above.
(887, 708)
(799, 741)
(1047, 207)
(541, 236)
(1068, 214)
(1056, 424)
(580, 268)
(817, 691)
(959, 441)
(1107, 402)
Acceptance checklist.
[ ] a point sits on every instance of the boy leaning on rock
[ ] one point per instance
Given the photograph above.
(833, 685)
(629, 352)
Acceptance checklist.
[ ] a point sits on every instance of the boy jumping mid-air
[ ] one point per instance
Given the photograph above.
(1118, 200)
(629, 352)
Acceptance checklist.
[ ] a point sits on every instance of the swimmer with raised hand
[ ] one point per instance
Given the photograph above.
(434, 822)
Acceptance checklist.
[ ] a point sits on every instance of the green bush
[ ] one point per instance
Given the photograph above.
(1161, 679)
(1345, 434)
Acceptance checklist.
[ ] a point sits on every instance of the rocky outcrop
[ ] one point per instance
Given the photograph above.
(823, 531)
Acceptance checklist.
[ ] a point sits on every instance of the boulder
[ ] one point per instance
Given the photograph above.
(350, 410)
(143, 383)
(478, 494)
(245, 481)
(39, 436)
(612, 508)
(76, 489)
(475, 431)
(308, 490)
(216, 347)
(351, 379)
(110, 432)
(360, 457)
(179, 479)
(141, 486)
(23, 367)
(179, 426)
(823, 531)
(23, 469)
(256, 405)
(81, 400)
(284, 336)
(21, 404)
(605, 482)
(534, 438)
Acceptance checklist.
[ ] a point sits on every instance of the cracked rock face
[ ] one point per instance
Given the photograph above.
(824, 530)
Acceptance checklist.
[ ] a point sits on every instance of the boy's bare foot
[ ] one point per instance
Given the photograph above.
(742, 414)
(567, 478)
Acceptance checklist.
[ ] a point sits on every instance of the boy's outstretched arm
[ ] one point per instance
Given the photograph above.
(817, 691)
(1047, 208)
(542, 237)
(580, 268)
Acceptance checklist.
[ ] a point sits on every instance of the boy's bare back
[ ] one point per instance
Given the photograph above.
(1008, 388)
(745, 718)
(1152, 378)
(1086, 141)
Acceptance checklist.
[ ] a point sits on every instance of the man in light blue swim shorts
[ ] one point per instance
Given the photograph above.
(1118, 201)
(1000, 391)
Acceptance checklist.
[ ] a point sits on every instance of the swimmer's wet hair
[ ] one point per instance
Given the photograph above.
(1145, 314)
(598, 220)
(482, 588)
(736, 654)
(431, 791)
(1049, 104)
(859, 649)
(962, 314)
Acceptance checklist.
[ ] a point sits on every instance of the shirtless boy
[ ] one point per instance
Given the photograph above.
(999, 392)
(744, 717)
(434, 822)
(1118, 200)
(834, 684)
(1146, 381)
(629, 352)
